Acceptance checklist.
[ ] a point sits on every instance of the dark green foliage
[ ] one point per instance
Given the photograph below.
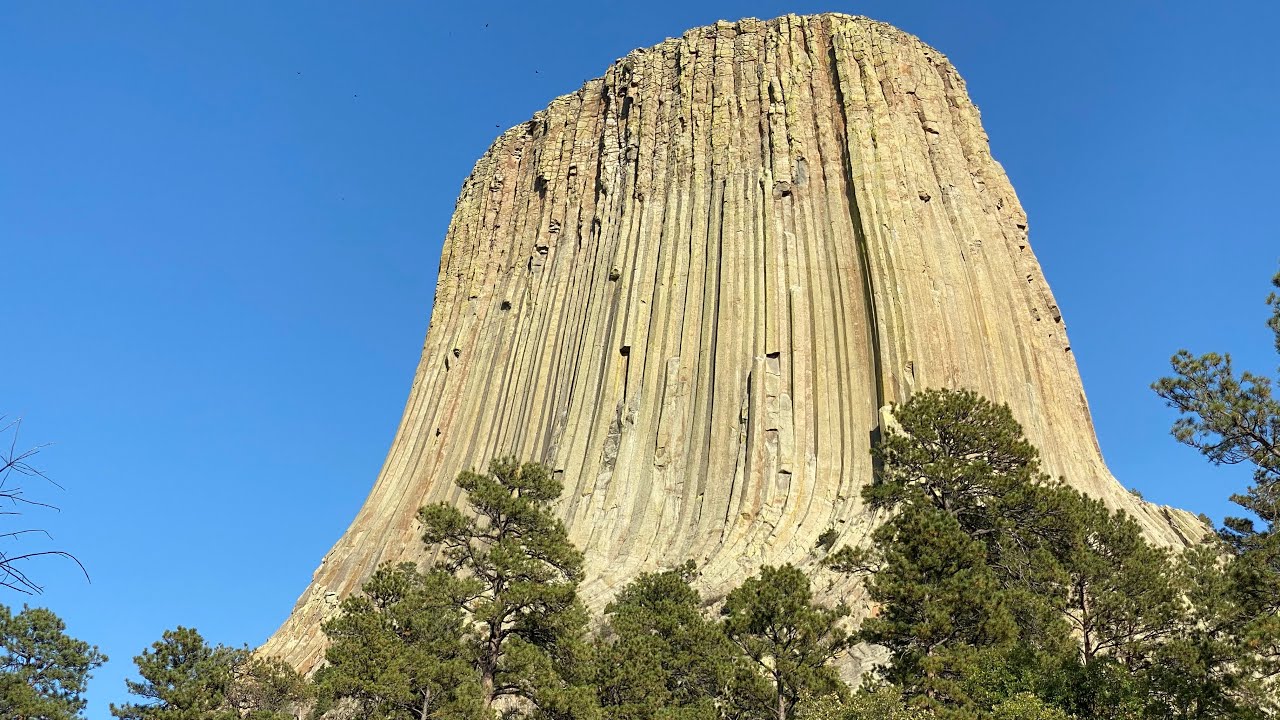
(791, 640)
(396, 651)
(961, 455)
(1002, 591)
(1005, 594)
(1197, 673)
(1121, 599)
(1123, 605)
(518, 586)
(944, 611)
(269, 689)
(659, 655)
(1231, 419)
(881, 702)
(184, 678)
(970, 589)
(553, 661)
(1026, 706)
(1224, 658)
(1228, 657)
(43, 671)
(952, 449)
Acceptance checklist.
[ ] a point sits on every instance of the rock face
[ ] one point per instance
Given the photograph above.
(692, 286)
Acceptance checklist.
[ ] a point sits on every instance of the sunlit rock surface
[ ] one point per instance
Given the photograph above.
(691, 287)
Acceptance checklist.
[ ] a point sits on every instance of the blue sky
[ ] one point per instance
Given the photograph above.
(220, 224)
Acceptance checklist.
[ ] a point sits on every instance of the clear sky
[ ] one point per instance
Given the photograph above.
(220, 225)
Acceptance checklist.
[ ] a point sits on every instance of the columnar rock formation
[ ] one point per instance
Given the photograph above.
(692, 286)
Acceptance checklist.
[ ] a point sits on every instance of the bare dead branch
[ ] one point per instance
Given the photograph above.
(16, 465)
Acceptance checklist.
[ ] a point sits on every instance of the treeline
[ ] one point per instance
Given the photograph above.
(997, 592)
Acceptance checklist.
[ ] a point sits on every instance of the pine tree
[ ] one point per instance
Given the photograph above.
(659, 656)
(396, 651)
(1026, 706)
(774, 621)
(967, 572)
(996, 582)
(1230, 655)
(962, 455)
(1124, 606)
(1231, 420)
(184, 678)
(1121, 597)
(267, 688)
(1197, 673)
(944, 614)
(519, 576)
(43, 671)
(872, 702)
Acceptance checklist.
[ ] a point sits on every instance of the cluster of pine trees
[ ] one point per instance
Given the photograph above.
(997, 593)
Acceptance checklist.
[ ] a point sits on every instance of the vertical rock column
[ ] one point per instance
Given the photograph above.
(691, 287)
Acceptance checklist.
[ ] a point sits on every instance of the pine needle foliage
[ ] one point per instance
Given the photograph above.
(43, 671)
(518, 575)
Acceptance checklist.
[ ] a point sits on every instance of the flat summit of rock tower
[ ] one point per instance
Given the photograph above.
(692, 286)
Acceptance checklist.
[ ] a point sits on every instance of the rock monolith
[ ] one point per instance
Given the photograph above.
(694, 286)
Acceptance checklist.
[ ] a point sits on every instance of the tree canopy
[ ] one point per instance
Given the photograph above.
(43, 671)
(185, 678)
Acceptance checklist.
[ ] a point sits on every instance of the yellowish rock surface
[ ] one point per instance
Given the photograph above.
(692, 287)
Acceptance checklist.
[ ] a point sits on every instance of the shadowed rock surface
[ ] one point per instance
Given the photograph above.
(692, 286)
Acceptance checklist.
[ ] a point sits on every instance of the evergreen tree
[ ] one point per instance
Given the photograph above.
(944, 615)
(1232, 419)
(873, 702)
(1198, 673)
(960, 454)
(1229, 655)
(1124, 606)
(267, 688)
(966, 568)
(791, 640)
(659, 656)
(184, 678)
(1121, 597)
(519, 575)
(998, 585)
(1026, 706)
(396, 651)
(43, 671)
